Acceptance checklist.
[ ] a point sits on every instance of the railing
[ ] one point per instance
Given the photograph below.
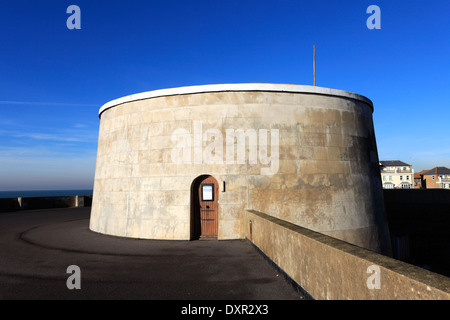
(396, 170)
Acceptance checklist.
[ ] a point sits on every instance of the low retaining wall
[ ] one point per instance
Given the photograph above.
(330, 269)
(419, 223)
(32, 203)
(425, 197)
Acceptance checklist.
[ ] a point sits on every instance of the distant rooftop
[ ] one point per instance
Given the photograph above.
(418, 174)
(394, 163)
(437, 171)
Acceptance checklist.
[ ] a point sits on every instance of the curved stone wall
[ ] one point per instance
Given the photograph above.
(304, 154)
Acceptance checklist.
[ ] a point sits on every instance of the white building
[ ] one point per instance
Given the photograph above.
(396, 174)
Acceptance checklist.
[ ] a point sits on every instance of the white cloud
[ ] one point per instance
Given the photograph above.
(41, 103)
(67, 135)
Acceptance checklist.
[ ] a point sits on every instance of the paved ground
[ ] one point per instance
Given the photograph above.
(37, 247)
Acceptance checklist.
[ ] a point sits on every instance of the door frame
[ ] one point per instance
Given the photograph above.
(195, 224)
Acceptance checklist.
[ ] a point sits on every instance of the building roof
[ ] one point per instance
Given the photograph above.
(418, 174)
(393, 163)
(437, 171)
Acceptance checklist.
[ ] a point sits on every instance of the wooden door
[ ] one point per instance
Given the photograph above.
(208, 195)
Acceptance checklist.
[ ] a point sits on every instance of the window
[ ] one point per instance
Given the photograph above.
(384, 178)
(432, 177)
(390, 178)
(207, 192)
(407, 177)
(401, 177)
(406, 185)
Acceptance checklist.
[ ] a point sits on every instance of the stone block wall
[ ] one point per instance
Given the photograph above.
(331, 269)
(307, 155)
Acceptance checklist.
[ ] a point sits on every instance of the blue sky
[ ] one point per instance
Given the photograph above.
(54, 80)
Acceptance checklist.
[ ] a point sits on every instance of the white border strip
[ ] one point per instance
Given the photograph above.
(236, 87)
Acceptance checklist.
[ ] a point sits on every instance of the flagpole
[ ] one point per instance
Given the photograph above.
(314, 65)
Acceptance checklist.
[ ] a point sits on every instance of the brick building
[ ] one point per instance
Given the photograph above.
(436, 178)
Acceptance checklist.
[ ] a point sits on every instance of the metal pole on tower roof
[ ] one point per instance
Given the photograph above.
(314, 65)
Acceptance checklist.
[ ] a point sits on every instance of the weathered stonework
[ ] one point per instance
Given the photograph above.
(330, 269)
(326, 177)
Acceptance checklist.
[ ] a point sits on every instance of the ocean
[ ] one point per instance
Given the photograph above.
(45, 193)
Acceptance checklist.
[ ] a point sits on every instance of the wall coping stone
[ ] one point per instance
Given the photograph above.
(236, 87)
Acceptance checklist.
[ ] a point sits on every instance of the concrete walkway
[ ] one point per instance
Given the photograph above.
(37, 247)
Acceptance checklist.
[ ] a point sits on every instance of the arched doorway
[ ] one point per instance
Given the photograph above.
(204, 207)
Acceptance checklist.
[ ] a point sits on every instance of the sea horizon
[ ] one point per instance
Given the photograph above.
(45, 193)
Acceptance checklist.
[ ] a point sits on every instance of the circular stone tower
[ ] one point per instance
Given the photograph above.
(187, 162)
